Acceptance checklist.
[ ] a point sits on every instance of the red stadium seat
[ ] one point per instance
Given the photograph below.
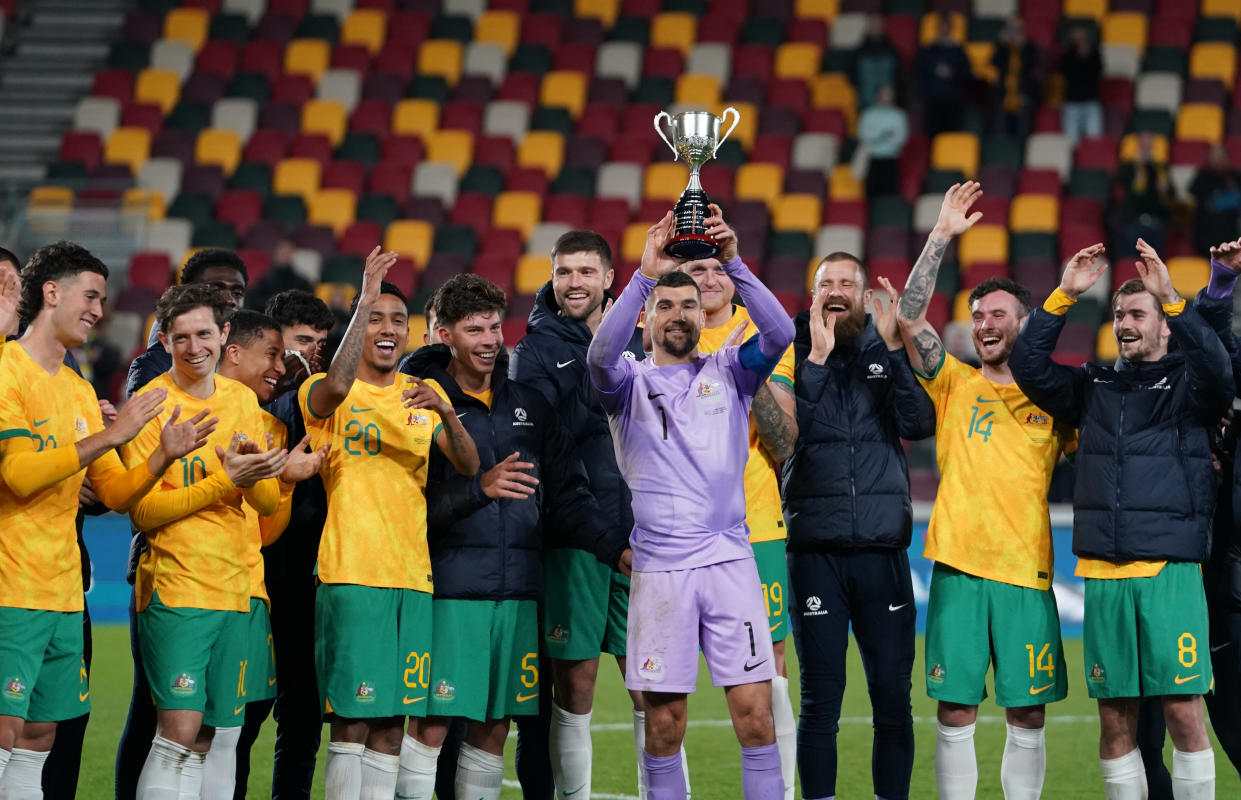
(151, 271)
(265, 147)
(359, 239)
(218, 57)
(566, 208)
(526, 179)
(240, 208)
(349, 175)
(472, 209)
(82, 147)
(391, 178)
(405, 149)
(116, 83)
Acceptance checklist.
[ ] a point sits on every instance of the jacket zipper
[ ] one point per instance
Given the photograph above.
(1120, 435)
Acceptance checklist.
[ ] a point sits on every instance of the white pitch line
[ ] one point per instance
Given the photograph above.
(600, 795)
(608, 727)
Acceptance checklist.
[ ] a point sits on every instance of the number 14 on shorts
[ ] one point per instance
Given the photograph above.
(1041, 660)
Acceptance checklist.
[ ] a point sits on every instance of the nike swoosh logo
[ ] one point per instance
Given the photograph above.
(82, 697)
(238, 710)
(980, 399)
(1220, 647)
(752, 667)
(1178, 680)
(521, 698)
(773, 627)
(896, 608)
(39, 422)
(1041, 689)
(575, 791)
(355, 410)
(406, 701)
(653, 395)
(271, 681)
(562, 366)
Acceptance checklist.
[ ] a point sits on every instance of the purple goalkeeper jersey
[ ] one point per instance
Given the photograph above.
(682, 431)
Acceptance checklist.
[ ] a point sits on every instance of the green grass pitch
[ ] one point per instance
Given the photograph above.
(714, 759)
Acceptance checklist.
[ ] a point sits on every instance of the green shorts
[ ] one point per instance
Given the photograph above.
(493, 683)
(372, 651)
(1147, 637)
(773, 573)
(195, 660)
(972, 622)
(585, 606)
(42, 673)
(260, 675)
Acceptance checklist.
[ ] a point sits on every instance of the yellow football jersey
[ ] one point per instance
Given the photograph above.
(376, 479)
(1107, 570)
(763, 512)
(254, 521)
(42, 413)
(196, 530)
(996, 452)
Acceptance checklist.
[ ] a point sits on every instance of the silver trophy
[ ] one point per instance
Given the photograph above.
(695, 138)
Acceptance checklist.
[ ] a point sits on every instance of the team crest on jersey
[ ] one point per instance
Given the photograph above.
(559, 634)
(445, 691)
(183, 684)
(937, 674)
(707, 389)
(1097, 674)
(79, 427)
(417, 418)
(519, 417)
(366, 693)
(652, 667)
(15, 689)
(629, 355)
(876, 371)
(1037, 419)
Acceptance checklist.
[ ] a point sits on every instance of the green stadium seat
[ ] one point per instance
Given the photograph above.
(429, 87)
(319, 26)
(454, 27)
(696, 7)
(133, 56)
(1152, 120)
(938, 181)
(457, 240)
(563, 8)
(1007, 151)
(342, 269)
(364, 147)
(762, 30)
(230, 28)
(1087, 310)
(192, 117)
(575, 180)
(654, 89)
(377, 208)
(196, 208)
(287, 209)
(482, 178)
(252, 176)
(215, 234)
(731, 154)
(1094, 183)
(1165, 59)
(1032, 245)
(250, 85)
(984, 29)
(552, 119)
(890, 211)
(631, 29)
(791, 244)
(1216, 29)
(68, 174)
(530, 58)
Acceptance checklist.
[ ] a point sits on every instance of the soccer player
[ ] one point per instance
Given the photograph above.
(373, 607)
(193, 588)
(584, 601)
(681, 425)
(51, 437)
(1143, 504)
(487, 538)
(846, 497)
(773, 432)
(990, 600)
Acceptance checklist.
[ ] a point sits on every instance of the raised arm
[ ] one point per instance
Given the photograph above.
(915, 413)
(775, 329)
(332, 390)
(922, 342)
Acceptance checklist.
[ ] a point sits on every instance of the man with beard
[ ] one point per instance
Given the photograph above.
(846, 496)
(1142, 507)
(773, 432)
(681, 424)
(584, 601)
(991, 600)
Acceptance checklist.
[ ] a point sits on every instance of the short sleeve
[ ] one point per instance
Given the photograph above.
(437, 421)
(303, 402)
(939, 385)
(14, 421)
(783, 373)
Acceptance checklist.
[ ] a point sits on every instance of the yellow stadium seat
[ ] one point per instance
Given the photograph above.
(606, 11)
(1034, 213)
(961, 311)
(517, 210)
(416, 116)
(816, 9)
(417, 328)
(797, 212)
(542, 149)
(499, 27)
(1189, 274)
(1105, 347)
(798, 60)
(955, 151)
(1200, 122)
(128, 146)
(411, 238)
(633, 242)
(451, 147)
(50, 198)
(533, 271)
(333, 208)
(327, 117)
(160, 87)
(835, 90)
(1214, 60)
(758, 181)
(367, 27)
(1129, 148)
(665, 181)
(441, 57)
(1085, 8)
(979, 54)
(336, 295)
(564, 89)
(928, 29)
(145, 202)
(697, 90)
(298, 176)
(219, 146)
(677, 30)
(983, 243)
(188, 25)
(844, 185)
(747, 124)
(1127, 28)
(1221, 8)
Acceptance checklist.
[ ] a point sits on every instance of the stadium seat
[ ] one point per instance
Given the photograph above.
(366, 27)
(188, 25)
(173, 55)
(334, 208)
(958, 151)
(532, 272)
(983, 243)
(757, 181)
(1200, 122)
(325, 117)
(436, 180)
(1214, 60)
(1050, 151)
(543, 150)
(1189, 274)
(837, 238)
(1161, 90)
(452, 147)
(299, 176)
(412, 239)
(798, 60)
(698, 91)
(1037, 213)
(128, 146)
(844, 184)
(441, 57)
(309, 57)
(674, 29)
(797, 212)
(564, 89)
(159, 87)
(219, 147)
(517, 210)
(1125, 28)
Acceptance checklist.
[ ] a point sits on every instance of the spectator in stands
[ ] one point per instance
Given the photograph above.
(876, 63)
(1217, 191)
(1016, 62)
(883, 130)
(1081, 66)
(1146, 200)
(280, 278)
(943, 79)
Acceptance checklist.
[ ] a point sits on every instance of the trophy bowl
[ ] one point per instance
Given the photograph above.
(696, 138)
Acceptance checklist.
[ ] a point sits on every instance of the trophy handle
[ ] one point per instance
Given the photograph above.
(731, 128)
(660, 130)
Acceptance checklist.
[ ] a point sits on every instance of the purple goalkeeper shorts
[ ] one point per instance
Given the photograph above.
(718, 608)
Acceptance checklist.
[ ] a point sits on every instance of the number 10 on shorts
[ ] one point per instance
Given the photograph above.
(1043, 662)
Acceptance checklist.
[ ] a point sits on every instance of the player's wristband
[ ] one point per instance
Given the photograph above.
(1172, 309)
(1058, 303)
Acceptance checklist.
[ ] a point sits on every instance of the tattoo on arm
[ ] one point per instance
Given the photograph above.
(344, 367)
(921, 284)
(776, 430)
(930, 350)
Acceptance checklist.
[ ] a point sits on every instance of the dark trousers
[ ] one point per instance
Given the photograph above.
(256, 715)
(299, 720)
(871, 590)
(1224, 704)
(64, 763)
(131, 752)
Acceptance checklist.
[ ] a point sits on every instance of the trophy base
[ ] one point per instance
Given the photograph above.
(691, 246)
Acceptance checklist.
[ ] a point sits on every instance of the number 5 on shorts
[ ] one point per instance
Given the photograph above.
(532, 668)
